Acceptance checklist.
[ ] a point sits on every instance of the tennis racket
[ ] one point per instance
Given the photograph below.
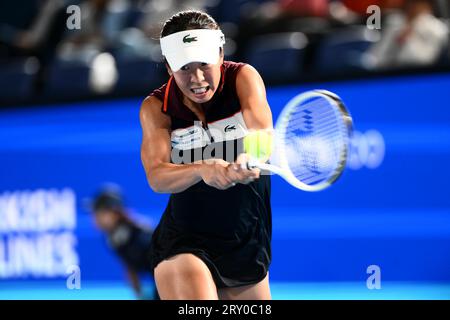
(311, 141)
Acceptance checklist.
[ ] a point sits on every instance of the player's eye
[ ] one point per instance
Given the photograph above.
(184, 68)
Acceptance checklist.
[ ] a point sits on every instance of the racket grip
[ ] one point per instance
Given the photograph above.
(249, 165)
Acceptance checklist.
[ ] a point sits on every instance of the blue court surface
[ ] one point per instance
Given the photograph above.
(280, 290)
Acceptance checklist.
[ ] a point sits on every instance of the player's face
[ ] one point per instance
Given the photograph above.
(199, 81)
(106, 220)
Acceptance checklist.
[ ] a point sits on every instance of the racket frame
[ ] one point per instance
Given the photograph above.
(280, 128)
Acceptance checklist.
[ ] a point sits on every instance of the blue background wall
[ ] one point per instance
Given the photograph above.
(391, 207)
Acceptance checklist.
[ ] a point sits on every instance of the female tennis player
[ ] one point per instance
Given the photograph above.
(213, 240)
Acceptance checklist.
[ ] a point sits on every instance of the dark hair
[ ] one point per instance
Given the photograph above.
(109, 200)
(188, 20)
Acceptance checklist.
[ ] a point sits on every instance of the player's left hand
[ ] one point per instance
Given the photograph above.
(239, 173)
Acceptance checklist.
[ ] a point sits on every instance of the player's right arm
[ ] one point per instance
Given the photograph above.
(166, 177)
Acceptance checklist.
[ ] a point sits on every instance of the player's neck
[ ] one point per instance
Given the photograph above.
(196, 108)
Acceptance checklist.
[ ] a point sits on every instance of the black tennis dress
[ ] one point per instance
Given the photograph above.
(230, 230)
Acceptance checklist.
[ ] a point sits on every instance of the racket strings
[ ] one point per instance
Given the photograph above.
(315, 141)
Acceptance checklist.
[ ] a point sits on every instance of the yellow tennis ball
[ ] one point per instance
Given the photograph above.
(259, 144)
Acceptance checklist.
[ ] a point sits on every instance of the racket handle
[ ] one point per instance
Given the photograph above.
(249, 165)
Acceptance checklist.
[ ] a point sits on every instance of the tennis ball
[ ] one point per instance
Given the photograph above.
(259, 144)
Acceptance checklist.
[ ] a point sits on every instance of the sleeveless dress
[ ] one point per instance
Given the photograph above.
(229, 230)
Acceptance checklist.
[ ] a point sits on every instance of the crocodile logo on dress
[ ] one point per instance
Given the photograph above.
(229, 128)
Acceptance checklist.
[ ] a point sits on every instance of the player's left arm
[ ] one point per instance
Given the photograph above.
(252, 97)
(255, 111)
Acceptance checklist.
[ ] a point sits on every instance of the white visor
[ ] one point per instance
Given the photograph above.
(199, 45)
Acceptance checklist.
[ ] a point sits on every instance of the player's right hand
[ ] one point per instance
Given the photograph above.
(239, 173)
(215, 173)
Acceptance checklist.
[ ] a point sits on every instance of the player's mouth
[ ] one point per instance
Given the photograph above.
(200, 92)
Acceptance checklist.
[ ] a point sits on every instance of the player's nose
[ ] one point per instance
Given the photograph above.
(197, 76)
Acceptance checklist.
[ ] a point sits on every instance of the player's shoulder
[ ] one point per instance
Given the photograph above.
(246, 72)
(151, 112)
(150, 104)
(248, 77)
(238, 67)
(160, 92)
(239, 74)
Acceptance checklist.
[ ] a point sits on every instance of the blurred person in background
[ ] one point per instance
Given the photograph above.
(351, 11)
(128, 239)
(156, 12)
(360, 7)
(32, 28)
(107, 26)
(99, 27)
(126, 28)
(412, 37)
(309, 16)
